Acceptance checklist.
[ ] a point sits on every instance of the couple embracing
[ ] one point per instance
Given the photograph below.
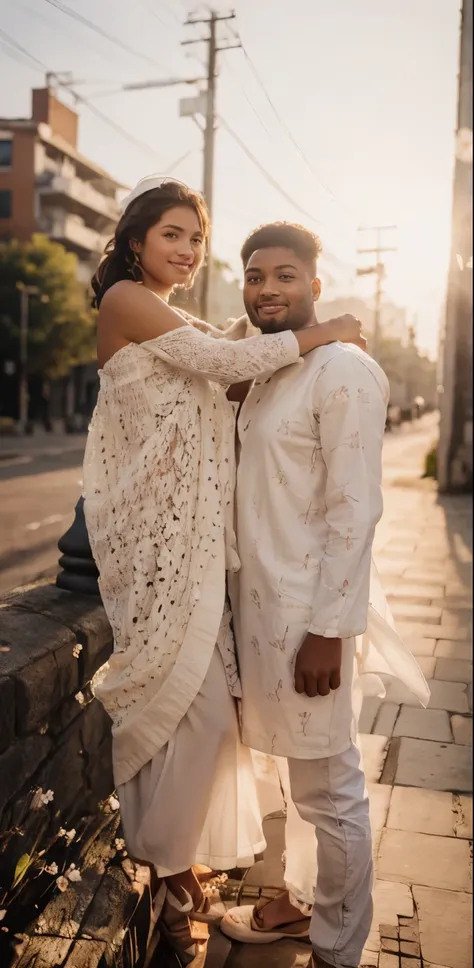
(236, 572)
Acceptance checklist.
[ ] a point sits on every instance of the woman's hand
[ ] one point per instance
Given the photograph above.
(348, 329)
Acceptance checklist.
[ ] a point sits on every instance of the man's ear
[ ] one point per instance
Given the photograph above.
(316, 288)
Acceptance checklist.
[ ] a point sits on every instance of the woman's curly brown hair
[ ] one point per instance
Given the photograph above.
(118, 261)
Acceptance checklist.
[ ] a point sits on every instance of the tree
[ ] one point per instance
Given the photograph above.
(61, 331)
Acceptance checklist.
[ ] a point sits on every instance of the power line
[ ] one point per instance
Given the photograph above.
(248, 99)
(22, 50)
(18, 57)
(142, 145)
(99, 30)
(276, 185)
(290, 135)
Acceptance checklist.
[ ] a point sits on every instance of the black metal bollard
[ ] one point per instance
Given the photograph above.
(79, 573)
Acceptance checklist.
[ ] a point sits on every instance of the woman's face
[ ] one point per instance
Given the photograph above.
(173, 248)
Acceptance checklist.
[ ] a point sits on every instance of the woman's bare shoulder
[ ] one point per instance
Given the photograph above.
(122, 295)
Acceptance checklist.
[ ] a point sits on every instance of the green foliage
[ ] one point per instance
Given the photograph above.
(61, 331)
(431, 464)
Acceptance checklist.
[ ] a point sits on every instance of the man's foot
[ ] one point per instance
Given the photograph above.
(278, 911)
(265, 922)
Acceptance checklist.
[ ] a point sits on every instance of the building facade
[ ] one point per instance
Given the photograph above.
(47, 186)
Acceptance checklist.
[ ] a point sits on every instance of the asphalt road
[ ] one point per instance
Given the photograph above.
(38, 492)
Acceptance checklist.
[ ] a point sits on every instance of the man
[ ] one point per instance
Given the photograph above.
(308, 500)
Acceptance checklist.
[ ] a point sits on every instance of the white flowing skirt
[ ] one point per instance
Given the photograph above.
(195, 801)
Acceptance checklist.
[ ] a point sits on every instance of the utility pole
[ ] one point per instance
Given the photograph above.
(25, 293)
(379, 271)
(454, 457)
(210, 131)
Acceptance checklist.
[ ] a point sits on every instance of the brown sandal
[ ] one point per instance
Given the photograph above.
(188, 938)
(244, 924)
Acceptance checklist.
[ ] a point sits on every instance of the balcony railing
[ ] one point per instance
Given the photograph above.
(82, 194)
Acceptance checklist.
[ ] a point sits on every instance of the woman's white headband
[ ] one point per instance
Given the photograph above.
(146, 185)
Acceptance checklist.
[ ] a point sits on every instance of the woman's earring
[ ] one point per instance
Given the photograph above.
(134, 266)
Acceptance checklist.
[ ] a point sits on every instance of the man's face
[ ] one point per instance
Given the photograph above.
(279, 291)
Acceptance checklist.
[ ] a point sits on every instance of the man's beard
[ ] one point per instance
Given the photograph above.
(298, 319)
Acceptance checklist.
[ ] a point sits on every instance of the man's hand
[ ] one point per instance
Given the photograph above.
(318, 666)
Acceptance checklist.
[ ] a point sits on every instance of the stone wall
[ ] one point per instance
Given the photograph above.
(67, 889)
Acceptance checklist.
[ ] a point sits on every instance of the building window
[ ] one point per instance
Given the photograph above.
(6, 152)
(5, 204)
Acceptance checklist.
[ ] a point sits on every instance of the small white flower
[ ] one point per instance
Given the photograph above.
(114, 803)
(3, 913)
(119, 843)
(62, 883)
(67, 834)
(77, 650)
(73, 874)
(80, 698)
(40, 798)
(52, 869)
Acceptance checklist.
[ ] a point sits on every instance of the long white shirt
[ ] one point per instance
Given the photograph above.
(308, 500)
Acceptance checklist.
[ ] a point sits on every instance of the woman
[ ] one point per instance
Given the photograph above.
(158, 488)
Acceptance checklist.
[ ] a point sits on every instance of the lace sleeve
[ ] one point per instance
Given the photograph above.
(224, 361)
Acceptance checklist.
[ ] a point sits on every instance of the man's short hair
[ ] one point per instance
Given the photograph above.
(285, 235)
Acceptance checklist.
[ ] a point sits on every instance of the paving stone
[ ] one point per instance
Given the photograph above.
(284, 954)
(416, 574)
(448, 695)
(434, 766)
(462, 730)
(422, 811)
(386, 719)
(414, 858)
(454, 588)
(409, 934)
(388, 960)
(390, 944)
(379, 801)
(368, 714)
(445, 649)
(373, 749)
(453, 670)
(463, 817)
(410, 590)
(430, 631)
(410, 949)
(389, 931)
(427, 664)
(458, 617)
(417, 613)
(424, 724)
(445, 921)
(391, 900)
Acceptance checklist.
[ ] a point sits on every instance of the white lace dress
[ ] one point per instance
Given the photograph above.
(159, 495)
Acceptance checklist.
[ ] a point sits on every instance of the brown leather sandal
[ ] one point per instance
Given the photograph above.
(244, 924)
(187, 937)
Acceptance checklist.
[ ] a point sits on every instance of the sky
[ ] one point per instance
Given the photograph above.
(348, 105)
